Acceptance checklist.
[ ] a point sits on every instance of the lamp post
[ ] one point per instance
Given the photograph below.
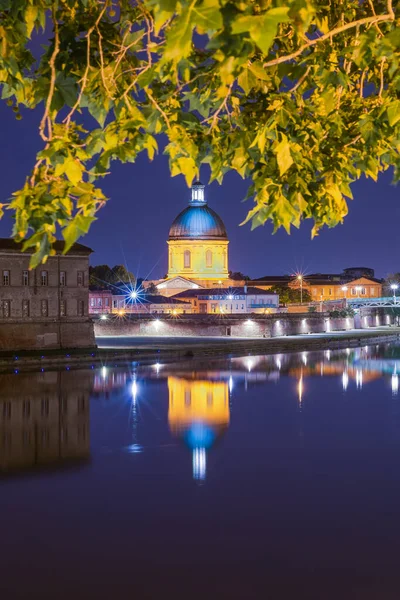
(394, 287)
(300, 278)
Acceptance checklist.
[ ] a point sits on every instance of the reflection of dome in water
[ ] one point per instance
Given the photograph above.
(198, 413)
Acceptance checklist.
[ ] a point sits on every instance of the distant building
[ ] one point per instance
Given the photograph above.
(353, 282)
(238, 300)
(105, 302)
(46, 307)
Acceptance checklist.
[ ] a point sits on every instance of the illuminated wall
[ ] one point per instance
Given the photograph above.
(198, 259)
(197, 401)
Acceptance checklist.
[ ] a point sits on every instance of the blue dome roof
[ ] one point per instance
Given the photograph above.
(198, 222)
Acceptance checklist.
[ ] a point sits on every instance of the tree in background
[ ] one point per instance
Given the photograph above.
(301, 97)
(392, 278)
(103, 277)
(152, 290)
(238, 276)
(288, 295)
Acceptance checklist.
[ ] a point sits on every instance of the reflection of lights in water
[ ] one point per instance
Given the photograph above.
(359, 378)
(278, 363)
(347, 351)
(328, 354)
(199, 463)
(249, 364)
(134, 390)
(104, 372)
(230, 384)
(300, 389)
(157, 367)
(345, 380)
(304, 358)
(395, 383)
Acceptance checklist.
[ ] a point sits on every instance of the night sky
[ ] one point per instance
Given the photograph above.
(133, 228)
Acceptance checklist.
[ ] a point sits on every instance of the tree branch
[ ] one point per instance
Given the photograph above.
(52, 65)
(365, 21)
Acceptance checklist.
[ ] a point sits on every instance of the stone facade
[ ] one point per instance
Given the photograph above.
(46, 307)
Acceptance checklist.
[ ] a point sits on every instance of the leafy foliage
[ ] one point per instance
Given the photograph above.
(341, 313)
(238, 276)
(302, 97)
(290, 295)
(103, 277)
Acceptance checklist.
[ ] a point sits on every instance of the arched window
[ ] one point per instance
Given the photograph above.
(186, 259)
(209, 258)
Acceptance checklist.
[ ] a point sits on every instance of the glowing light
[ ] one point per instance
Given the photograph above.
(344, 288)
(249, 364)
(328, 354)
(121, 313)
(248, 322)
(174, 312)
(345, 380)
(377, 320)
(230, 384)
(157, 323)
(104, 372)
(348, 351)
(304, 358)
(395, 384)
(387, 319)
(230, 297)
(278, 323)
(278, 363)
(157, 367)
(394, 286)
(199, 464)
(133, 295)
(104, 317)
(134, 389)
(300, 389)
(328, 325)
(359, 379)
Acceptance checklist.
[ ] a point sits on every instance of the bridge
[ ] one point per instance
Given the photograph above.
(384, 302)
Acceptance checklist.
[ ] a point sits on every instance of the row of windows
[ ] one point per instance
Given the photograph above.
(44, 278)
(43, 436)
(44, 308)
(187, 259)
(99, 302)
(354, 291)
(44, 408)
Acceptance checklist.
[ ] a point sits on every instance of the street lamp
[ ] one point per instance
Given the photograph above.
(394, 287)
(300, 278)
(344, 290)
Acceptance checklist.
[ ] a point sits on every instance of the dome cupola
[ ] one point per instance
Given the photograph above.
(198, 221)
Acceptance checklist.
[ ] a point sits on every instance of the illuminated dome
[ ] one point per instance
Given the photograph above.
(198, 221)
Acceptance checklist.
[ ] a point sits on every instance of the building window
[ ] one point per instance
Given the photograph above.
(92, 302)
(372, 291)
(209, 398)
(6, 277)
(209, 258)
(80, 278)
(99, 302)
(213, 308)
(44, 308)
(363, 291)
(7, 410)
(63, 308)
(171, 260)
(6, 309)
(186, 259)
(81, 404)
(353, 291)
(106, 302)
(26, 438)
(44, 437)
(188, 398)
(26, 409)
(63, 278)
(314, 291)
(81, 308)
(25, 308)
(25, 278)
(331, 291)
(45, 407)
(43, 278)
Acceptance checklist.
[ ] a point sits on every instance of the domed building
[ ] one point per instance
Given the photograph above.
(198, 244)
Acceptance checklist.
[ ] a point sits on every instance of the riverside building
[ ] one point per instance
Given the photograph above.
(46, 307)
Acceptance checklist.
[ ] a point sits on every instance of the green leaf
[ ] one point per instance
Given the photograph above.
(258, 70)
(262, 28)
(179, 37)
(67, 88)
(208, 16)
(73, 170)
(393, 112)
(283, 156)
(31, 14)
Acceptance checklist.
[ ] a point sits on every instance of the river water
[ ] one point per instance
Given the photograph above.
(255, 477)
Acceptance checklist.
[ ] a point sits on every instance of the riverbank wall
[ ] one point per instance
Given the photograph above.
(246, 326)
